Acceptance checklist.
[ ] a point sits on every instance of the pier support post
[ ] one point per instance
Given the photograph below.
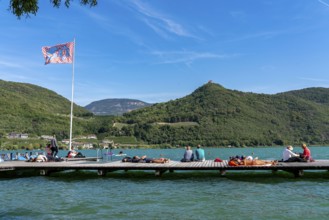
(222, 172)
(298, 173)
(44, 173)
(159, 172)
(101, 172)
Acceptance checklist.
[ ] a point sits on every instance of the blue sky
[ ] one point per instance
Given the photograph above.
(162, 50)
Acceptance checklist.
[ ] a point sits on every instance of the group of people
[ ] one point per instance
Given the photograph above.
(189, 154)
(199, 155)
(289, 156)
(52, 147)
(51, 152)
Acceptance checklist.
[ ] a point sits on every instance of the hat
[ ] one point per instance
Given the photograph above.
(290, 147)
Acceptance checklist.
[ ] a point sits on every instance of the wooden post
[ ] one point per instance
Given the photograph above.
(298, 173)
(159, 172)
(44, 172)
(101, 172)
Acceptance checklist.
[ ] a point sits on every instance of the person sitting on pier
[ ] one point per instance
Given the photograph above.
(289, 156)
(188, 155)
(306, 155)
(199, 153)
(74, 154)
(48, 149)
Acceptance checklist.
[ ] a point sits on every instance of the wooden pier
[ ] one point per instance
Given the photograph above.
(103, 167)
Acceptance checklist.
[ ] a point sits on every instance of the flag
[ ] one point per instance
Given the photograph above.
(61, 53)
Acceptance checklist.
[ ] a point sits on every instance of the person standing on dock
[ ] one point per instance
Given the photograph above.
(199, 153)
(54, 146)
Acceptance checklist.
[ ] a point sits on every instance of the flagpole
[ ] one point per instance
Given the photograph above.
(71, 117)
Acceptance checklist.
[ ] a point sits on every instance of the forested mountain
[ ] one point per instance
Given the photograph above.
(212, 116)
(115, 106)
(35, 110)
(215, 116)
(318, 95)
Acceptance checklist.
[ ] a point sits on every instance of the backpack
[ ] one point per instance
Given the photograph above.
(218, 160)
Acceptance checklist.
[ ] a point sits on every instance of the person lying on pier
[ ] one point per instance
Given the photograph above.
(236, 161)
(39, 158)
(145, 159)
(44, 158)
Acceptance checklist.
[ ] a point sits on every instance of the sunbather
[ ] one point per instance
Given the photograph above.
(145, 159)
(244, 162)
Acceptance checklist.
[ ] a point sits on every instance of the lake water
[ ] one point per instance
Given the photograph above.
(178, 195)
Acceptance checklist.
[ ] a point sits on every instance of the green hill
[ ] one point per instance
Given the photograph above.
(226, 117)
(212, 116)
(35, 110)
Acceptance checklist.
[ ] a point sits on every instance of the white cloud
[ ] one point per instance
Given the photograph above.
(324, 3)
(10, 64)
(187, 57)
(157, 21)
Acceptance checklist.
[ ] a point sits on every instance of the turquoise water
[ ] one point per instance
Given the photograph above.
(179, 195)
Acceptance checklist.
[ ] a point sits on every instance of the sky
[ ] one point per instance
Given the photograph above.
(162, 50)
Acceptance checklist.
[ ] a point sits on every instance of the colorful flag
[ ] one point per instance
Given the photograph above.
(61, 53)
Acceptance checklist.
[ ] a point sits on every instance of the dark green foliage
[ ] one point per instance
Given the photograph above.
(27, 7)
(227, 117)
(31, 109)
(211, 116)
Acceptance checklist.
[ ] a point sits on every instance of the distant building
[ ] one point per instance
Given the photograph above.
(91, 136)
(14, 135)
(46, 137)
(76, 144)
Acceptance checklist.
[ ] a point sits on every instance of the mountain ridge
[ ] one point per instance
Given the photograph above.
(211, 115)
(230, 117)
(115, 106)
